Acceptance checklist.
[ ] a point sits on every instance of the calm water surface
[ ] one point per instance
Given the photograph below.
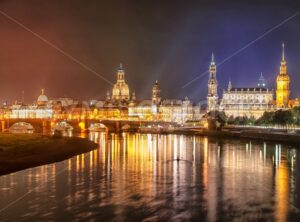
(160, 178)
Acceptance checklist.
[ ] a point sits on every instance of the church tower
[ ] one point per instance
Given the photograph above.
(283, 84)
(156, 98)
(212, 96)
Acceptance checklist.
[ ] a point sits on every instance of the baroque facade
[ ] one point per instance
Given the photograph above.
(41, 109)
(119, 104)
(250, 102)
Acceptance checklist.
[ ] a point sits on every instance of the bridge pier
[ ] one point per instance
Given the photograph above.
(3, 124)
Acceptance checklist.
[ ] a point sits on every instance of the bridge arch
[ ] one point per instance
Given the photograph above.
(62, 126)
(97, 127)
(21, 127)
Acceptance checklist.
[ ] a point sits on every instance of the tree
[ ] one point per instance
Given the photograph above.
(216, 120)
(296, 115)
(266, 119)
(230, 120)
(283, 117)
(280, 117)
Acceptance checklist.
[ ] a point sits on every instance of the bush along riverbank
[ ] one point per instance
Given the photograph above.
(21, 151)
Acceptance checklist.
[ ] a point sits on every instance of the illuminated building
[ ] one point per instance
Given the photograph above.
(178, 111)
(283, 84)
(31, 112)
(212, 97)
(120, 90)
(40, 110)
(153, 109)
(250, 102)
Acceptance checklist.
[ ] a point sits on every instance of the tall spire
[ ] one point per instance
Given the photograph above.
(229, 85)
(212, 67)
(212, 95)
(212, 59)
(283, 68)
(283, 83)
(121, 66)
(283, 56)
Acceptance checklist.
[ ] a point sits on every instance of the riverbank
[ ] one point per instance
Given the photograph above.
(235, 132)
(262, 134)
(21, 151)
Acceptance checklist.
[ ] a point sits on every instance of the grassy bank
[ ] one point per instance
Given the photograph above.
(20, 151)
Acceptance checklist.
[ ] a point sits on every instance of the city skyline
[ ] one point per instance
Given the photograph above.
(142, 55)
(133, 110)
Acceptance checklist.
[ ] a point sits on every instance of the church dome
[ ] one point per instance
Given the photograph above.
(42, 99)
(120, 90)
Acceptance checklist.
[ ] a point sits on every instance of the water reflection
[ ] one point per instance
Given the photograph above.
(159, 178)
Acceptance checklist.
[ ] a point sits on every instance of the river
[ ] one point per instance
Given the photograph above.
(140, 177)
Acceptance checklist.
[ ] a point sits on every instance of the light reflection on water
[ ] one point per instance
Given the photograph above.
(158, 178)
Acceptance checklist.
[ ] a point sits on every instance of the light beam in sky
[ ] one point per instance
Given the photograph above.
(245, 47)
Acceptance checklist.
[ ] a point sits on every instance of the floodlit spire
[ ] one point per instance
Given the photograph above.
(212, 59)
(283, 68)
(283, 53)
(212, 67)
(121, 66)
(261, 81)
(229, 85)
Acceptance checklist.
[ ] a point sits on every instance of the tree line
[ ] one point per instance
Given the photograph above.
(278, 117)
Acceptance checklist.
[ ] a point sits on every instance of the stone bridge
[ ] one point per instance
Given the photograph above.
(45, 125)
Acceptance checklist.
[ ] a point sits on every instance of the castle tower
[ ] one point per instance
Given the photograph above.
(156, 98)
(283, 84)
(212, 96)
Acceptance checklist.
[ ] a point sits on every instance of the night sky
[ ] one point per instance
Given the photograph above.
(170, 41)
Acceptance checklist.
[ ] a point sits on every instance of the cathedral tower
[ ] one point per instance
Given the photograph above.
(212, 96)
(156, 99)
(283, 84)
